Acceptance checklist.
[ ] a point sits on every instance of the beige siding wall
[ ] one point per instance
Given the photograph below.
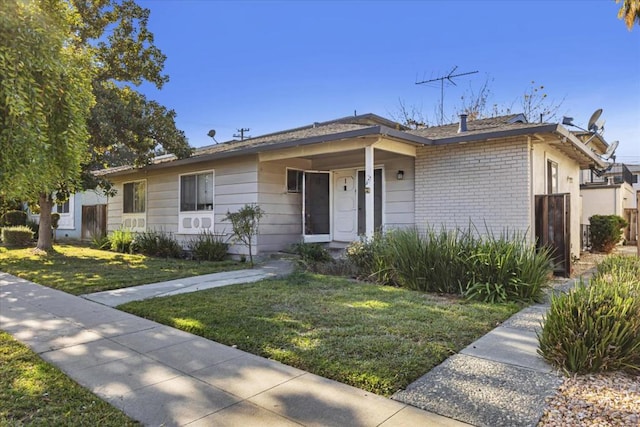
(568, 182)
(235, 184)
(485, 183)
(282, 226)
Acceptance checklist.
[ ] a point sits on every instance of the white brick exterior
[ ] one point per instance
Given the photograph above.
(485, 183)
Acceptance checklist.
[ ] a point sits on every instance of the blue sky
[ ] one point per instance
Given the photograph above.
(270, 66)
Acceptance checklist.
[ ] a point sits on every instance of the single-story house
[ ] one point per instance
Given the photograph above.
(336, 180)
(82, 216)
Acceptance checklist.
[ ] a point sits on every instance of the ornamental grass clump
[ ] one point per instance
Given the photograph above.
(596, 327)
(156, 243)
(486, 268)
(208, 246)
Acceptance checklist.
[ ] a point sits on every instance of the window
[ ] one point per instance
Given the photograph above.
(196, 192)
(63, 208)
(294, 181)
(135, 197)
(552, 177)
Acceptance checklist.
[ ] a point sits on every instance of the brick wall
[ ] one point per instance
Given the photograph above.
(486, 183)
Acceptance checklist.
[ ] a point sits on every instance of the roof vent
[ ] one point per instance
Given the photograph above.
(462, 127)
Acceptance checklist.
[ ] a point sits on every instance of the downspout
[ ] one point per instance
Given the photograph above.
(532, 201)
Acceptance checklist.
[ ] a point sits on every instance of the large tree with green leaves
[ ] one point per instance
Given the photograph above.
(45, 101)
(122, 127)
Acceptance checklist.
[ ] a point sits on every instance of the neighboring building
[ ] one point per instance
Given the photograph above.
(82, 216)
(337, 180)
(612, 193)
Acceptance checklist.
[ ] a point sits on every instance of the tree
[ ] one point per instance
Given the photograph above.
(630, 12)
(244, 224)
(45, 100)
(123, 126)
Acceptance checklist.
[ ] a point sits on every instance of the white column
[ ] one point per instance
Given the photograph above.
(368, 191)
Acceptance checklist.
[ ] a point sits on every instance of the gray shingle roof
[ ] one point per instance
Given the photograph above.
(492, 124)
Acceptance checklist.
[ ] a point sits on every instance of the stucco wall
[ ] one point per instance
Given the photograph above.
(486, 183)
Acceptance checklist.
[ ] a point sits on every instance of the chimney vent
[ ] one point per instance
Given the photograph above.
(462, 127)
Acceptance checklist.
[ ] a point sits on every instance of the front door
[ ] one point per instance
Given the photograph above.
(345, 201)
(316, 207)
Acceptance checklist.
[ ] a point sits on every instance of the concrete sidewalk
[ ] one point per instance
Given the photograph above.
(162, 376)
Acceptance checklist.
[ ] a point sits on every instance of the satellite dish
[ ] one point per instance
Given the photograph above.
(592, 121)
(612, 149)
(212, 133)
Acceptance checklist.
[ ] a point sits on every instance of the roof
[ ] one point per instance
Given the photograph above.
(374, 125)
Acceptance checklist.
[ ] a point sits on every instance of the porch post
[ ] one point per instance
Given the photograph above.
(368, 191)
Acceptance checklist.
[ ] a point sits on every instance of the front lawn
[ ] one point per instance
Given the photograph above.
(81, 270)
(378, 338)
(33, 392)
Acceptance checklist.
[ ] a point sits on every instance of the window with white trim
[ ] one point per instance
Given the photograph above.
(196, 192)
(294, 180)
(63, 208)
(135, 195)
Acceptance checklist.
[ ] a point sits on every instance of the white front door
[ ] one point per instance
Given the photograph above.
(345, 202)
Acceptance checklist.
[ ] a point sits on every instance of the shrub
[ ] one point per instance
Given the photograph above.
(13, 218)
(605, 232)
(156, 243)
(35, 227)
(209, 246)
(100, 241)
(311, 252)
(120, 240)
(455, 261)
(17, 236)
(593, 328)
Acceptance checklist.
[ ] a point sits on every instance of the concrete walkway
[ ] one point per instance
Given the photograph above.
(162, 376)
(498, 380)
(269, 270)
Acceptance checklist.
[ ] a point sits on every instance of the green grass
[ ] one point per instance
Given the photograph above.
(80, 270)
(378, 338)
(34, 393)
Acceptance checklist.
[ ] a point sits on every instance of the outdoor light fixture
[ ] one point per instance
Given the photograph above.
(400, 175)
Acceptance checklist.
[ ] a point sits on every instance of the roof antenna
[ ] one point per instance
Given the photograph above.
(355, 113)
(442, 79)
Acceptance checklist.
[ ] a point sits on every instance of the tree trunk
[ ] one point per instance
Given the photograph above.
(45, 242)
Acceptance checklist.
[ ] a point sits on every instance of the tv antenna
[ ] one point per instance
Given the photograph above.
(449, 79)
(240, 133)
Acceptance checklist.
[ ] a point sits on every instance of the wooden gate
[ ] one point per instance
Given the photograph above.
(553, 229)
(94, 221)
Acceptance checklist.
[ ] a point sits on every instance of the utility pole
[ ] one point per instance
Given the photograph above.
(240, 133)
(442, 79)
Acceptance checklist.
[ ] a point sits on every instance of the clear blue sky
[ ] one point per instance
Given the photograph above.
(270, 66)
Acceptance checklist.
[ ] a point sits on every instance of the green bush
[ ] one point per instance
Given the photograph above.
(13, 218)
(156, 243)
(455, 261)
(593, 328)
(17, 236)
(605, 232)
(120, 240)
(35, 227)
(100, 241)
(311, 252)
(209, 246)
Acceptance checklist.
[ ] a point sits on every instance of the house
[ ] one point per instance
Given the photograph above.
(337, 180)
(613, 192)
(81, 217)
